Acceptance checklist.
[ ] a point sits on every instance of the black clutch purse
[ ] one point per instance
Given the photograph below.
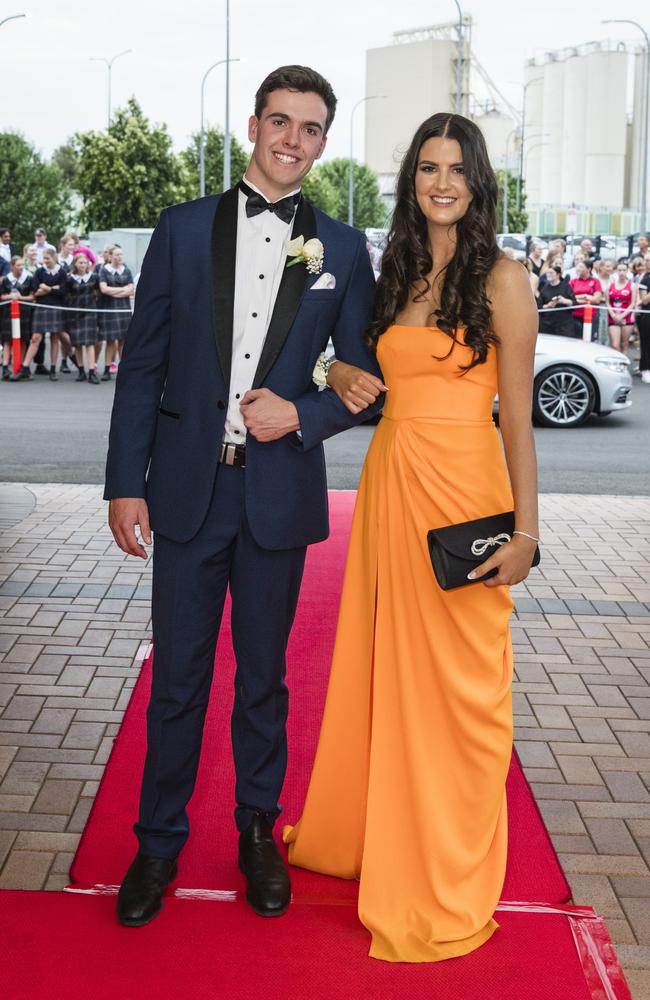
(459, 548)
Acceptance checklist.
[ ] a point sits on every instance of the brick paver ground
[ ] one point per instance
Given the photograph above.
(74, 620)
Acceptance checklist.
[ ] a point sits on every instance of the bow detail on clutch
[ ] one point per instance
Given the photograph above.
(481, 545)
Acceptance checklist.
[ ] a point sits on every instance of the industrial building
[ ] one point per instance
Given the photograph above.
(580, 121)
(582, 147)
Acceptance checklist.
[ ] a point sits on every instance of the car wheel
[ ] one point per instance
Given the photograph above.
(563, 396)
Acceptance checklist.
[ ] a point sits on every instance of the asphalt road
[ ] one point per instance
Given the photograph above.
(58, 433)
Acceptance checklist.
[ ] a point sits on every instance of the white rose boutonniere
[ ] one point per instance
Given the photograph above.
(310, 254)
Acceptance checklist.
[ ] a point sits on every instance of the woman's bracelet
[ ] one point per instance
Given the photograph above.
(527, 535)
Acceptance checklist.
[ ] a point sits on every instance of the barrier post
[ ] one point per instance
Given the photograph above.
(586, 323)
(15, 335)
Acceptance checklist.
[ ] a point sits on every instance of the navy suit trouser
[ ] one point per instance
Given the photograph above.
(190, 581)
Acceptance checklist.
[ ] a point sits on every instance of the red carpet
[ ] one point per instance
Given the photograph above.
(209, 859)
(58, 945)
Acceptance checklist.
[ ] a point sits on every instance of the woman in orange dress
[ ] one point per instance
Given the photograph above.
(407, 792)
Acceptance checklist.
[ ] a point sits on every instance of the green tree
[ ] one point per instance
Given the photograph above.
(189, 159)
(320, 192)
(34, 192)
(128, 174)
(517, 220)
(66, 157)
(369, 210)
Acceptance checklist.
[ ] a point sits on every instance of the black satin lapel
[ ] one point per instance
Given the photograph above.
(223, 253)
(292, 287)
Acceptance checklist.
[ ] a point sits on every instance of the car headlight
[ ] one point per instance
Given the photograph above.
(614, 364)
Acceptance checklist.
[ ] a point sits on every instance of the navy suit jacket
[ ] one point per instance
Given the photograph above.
(171, 394)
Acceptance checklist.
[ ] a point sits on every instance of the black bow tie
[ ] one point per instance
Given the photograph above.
(256, 203)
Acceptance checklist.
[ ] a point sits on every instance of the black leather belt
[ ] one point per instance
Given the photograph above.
(233, 454)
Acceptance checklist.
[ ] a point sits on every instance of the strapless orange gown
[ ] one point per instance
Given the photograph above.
(407, 792)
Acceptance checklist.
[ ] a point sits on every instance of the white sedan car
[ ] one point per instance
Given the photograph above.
(574, 378)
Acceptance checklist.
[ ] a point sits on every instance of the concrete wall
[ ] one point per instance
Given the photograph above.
(134, 242)
(419, 80)
(496, 128)
(636, 144)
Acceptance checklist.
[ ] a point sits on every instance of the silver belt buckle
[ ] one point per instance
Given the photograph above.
(228, 453)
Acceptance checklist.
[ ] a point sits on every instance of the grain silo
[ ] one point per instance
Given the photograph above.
(417, 73)
(578, 112)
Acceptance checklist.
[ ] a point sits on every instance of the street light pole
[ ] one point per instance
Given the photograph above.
(459, 61)
(646, 118)
(373, 97)
(12, 17)
(202, 133)
(535, 79)
(504, 213)
(226, 129)
(529, 151)
(109, 64)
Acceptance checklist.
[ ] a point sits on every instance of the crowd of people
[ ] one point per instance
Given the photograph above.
(55, 282)
(83, 303)
(618, 292)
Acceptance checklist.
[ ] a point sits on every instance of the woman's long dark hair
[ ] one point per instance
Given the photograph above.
(407, 261)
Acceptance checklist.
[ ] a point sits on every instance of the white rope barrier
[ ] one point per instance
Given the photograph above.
(584, 305)
(78, 309)
(38, 305)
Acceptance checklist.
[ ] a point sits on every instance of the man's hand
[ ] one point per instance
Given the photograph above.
(123, 515)
(267, 416)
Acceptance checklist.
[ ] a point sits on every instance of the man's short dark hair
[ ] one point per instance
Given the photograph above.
(300, 78)
(3, 230)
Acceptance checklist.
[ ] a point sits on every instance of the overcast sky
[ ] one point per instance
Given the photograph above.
(52, 90)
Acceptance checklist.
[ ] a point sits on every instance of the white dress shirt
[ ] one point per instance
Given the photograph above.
(40, 250)
(259, 266)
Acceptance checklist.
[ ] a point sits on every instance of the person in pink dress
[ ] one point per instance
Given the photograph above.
(621, 303)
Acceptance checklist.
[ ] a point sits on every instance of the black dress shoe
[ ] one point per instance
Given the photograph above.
(140, 897)
(64, 367)
(106, 377)
(268, 889)
(41, 370)
(81, 376)
(92, 377)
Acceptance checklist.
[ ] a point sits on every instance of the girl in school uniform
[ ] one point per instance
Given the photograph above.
(29, 258)
(116, 286)
(81, 286)
(67, 246)
(15, 285)
(49, 290)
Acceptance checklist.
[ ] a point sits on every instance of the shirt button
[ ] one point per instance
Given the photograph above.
(254, 315)
(221, 404)
(268, 239)
(236, 432)
(247, 356)
(236, 395)
(261, 275)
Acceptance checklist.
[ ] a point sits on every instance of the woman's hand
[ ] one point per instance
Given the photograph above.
(356, 388)
(513, 561)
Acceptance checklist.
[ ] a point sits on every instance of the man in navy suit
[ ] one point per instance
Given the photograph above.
(216, 445)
